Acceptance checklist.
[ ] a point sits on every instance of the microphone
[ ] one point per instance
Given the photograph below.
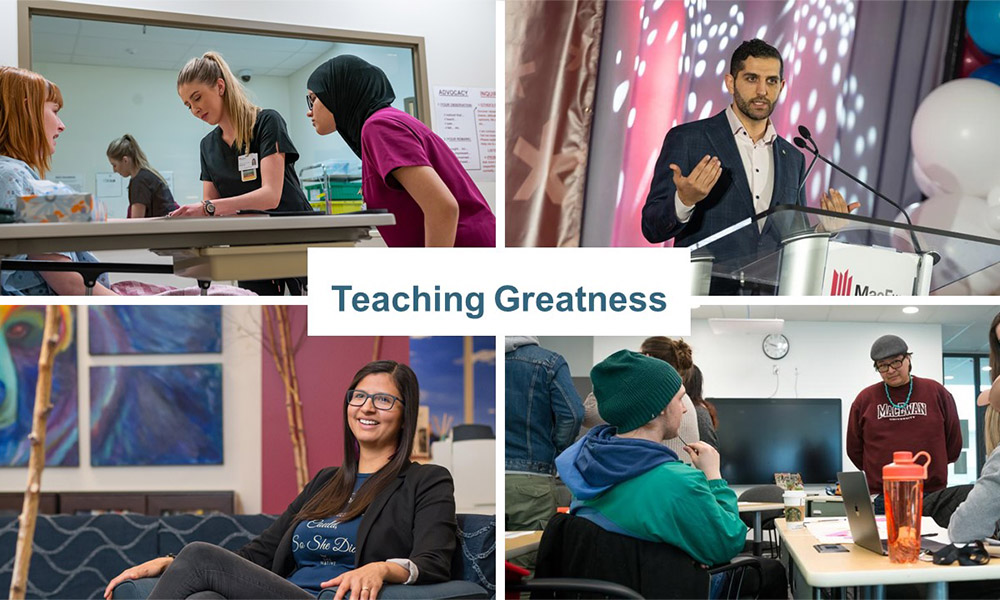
(801, 143)
(805, 133)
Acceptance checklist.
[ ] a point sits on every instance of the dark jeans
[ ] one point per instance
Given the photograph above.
(275, 287)
(774, 585)
(939, 505)
(203, 570)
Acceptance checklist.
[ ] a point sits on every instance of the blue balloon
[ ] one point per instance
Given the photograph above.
(982, 20)
(990, 72)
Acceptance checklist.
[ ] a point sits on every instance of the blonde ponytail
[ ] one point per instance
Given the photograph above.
(991, 430)
(127, 146)
(208, 69)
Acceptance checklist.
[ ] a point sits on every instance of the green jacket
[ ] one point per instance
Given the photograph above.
(675, 504)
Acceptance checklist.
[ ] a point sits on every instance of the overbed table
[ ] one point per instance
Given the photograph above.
(207, 248)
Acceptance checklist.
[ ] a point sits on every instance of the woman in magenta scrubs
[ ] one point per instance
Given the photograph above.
(406, 168)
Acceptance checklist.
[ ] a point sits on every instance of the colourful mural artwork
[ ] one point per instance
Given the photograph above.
(121, 330)
(20, 343)
(439, 365)
(156, 415)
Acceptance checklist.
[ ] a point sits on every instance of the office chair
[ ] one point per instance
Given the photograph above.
(653, 570)
(764, 493)
(472, 432)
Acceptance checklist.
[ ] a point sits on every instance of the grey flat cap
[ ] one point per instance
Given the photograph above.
(887, 346)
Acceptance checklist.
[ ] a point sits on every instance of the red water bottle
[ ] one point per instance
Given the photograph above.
(903, 486)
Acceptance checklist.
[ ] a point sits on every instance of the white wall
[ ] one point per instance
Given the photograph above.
(241, 429)
(578, 352)
(459, 34)
(103, 103)
(398, 67)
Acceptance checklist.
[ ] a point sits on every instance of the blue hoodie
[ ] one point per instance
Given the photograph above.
(600, 460)
(640, 489)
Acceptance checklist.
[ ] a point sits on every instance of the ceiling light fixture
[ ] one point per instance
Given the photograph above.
(746, 326)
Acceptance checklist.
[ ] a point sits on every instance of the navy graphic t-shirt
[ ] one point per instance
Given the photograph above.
(324, 548)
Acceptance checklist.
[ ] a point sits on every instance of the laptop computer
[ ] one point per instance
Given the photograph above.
(861, 515)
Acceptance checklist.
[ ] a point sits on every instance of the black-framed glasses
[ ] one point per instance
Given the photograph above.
(380, 400)
(884, 367)
(310, 98)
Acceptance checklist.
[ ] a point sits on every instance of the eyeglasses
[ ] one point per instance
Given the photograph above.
(884, 367)
(310, 98)
(379, 400)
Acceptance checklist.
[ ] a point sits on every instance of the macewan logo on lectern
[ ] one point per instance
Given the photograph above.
(842, 286)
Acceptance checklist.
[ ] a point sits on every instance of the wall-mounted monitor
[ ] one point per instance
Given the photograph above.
(762, 436)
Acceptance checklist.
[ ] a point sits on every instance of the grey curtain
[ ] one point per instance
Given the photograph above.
(551, 65)
(898, 58)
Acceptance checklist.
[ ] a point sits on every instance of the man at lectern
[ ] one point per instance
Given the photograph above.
(716, 172)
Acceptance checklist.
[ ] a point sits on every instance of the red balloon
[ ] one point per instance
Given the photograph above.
(972, 57)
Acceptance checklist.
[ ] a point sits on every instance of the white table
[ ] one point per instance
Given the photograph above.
(518, 543)
(206, 248)
(756, 508)
(859, 567)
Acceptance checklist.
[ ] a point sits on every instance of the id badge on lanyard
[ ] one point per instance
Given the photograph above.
(247, 165)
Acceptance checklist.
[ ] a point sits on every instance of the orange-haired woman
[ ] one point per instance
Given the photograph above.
(29, 127)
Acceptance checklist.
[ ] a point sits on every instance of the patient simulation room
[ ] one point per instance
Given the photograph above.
(756, 416)
(124, 145)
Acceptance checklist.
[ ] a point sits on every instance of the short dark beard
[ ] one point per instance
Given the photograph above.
(744, 105)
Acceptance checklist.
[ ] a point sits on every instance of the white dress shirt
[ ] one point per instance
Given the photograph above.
(758, 164)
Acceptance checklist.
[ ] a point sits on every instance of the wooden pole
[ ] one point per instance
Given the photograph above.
(278, 340)
(43, 405)
(377, 350)
(296, 399)
(470, 404)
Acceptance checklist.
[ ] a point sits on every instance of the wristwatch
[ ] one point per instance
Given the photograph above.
(209, 208)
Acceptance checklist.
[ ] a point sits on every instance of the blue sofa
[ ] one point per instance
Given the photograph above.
(76, 556)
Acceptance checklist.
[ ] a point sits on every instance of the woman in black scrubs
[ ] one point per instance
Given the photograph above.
(247, 161)
(148, 193)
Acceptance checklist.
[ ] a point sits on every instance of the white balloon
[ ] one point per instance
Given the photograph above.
(928, 187)
(959, 258)
(956, 136)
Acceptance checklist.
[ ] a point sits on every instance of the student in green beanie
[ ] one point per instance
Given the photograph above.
(626, 481)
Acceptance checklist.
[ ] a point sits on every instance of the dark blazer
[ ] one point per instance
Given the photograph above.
(729, 202)
(413, 518)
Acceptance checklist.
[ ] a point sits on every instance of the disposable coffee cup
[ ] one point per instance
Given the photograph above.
(795, 508)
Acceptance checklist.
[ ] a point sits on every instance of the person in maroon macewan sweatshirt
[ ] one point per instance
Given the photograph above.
(900, 413)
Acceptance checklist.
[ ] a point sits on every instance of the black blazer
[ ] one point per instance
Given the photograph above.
(729, 202)
(413, 518)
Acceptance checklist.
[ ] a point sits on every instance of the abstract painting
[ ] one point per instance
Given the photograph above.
(20, 343)
(156, 415)
(439, 365)
(155, 329)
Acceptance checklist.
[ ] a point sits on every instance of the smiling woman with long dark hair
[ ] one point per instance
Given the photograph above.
(379, 518)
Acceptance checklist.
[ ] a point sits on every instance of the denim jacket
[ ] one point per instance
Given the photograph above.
(543, 410)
